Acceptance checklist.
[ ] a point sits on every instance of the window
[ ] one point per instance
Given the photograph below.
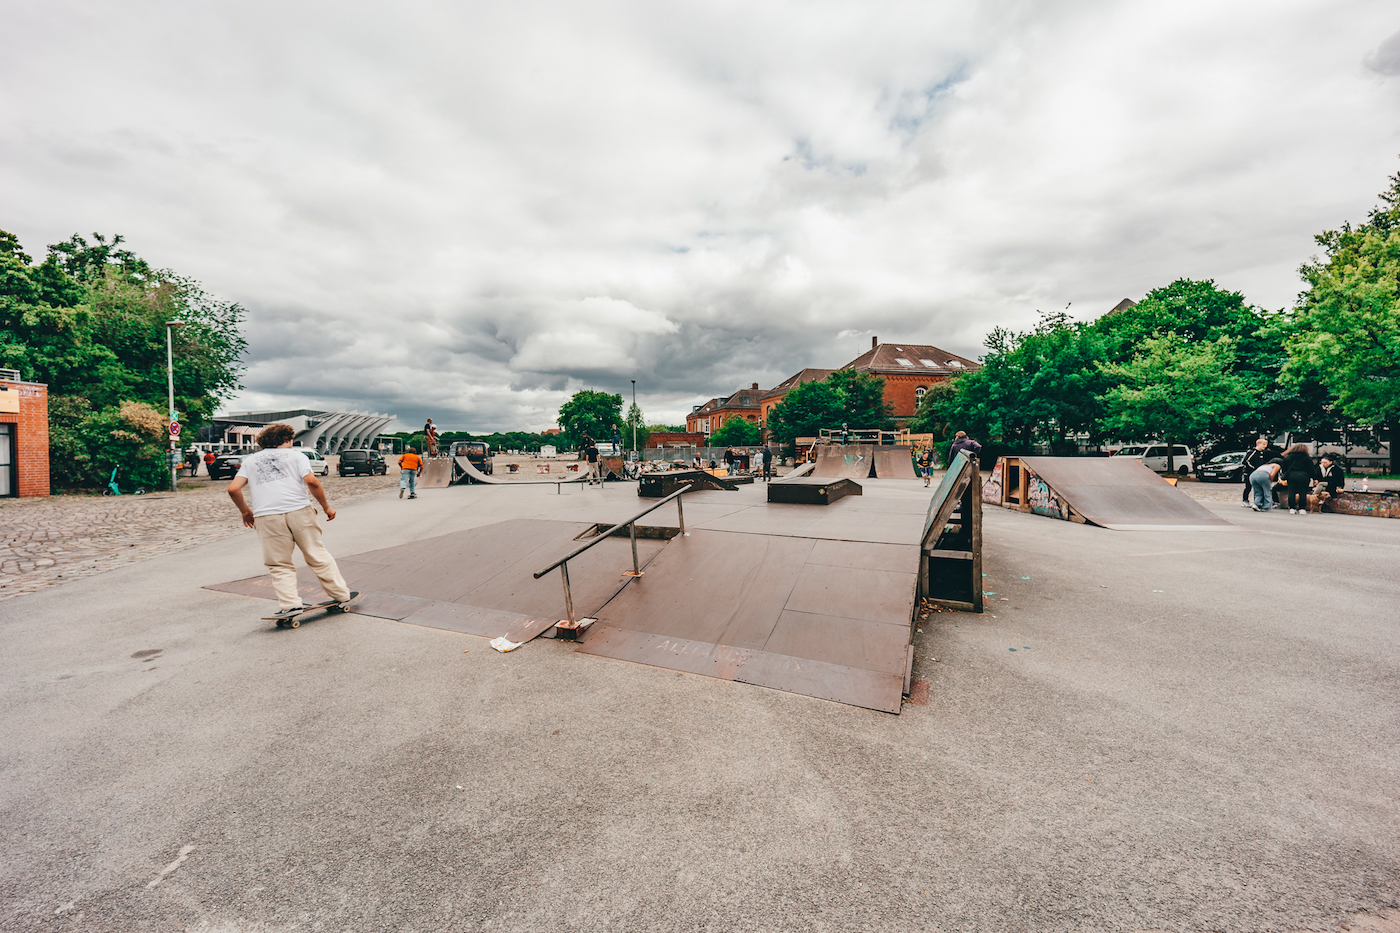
(929, 363)
(919, 394)
(8, 480)
(903, 362)
(954, 364)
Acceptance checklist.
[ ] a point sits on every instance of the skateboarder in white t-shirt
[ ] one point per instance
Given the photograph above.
(279, 478)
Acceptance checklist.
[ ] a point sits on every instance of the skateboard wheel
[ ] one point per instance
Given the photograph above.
(295, 623)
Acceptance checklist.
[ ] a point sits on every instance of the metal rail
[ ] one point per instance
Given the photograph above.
(631, 525)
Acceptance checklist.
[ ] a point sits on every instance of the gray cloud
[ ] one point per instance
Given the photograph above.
(1386, 59)
(470, 211)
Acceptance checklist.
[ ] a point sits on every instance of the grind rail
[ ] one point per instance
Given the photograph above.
(631, 525)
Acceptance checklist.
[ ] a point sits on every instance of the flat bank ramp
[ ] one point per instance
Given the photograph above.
(470, 472)
(479, 581)
(1121, 494)
(820, 617)
(847, 461)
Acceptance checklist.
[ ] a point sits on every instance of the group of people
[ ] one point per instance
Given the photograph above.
(193, 459)
(925, 459)
(1271, 477)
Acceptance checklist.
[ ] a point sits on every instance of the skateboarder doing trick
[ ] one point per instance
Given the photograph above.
(279, 478)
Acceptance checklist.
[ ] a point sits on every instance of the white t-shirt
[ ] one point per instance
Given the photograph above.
(276, 480)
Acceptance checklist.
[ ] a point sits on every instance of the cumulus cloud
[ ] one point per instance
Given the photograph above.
(472, 210)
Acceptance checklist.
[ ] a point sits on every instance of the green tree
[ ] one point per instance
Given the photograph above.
(805, 410)
(736, 432)
(1173, 389)
(90, 321)
(592, 413)
(636, 422)
(1345, 330)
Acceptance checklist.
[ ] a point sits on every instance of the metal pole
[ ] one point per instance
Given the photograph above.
(170, 385)
(568, 596)
(680, 514)
(636, 568)
(634, 423)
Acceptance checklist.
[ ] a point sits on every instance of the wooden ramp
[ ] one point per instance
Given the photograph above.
(823, 618)
(848, 461)
(470, 474)
(894, 463)
(1112, 492)
(478, 582)
(437, 474)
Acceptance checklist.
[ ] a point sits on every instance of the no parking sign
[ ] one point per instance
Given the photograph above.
(174, 429)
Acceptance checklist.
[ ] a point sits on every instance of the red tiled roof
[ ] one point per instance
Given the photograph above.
(885, 358)
(801, 378)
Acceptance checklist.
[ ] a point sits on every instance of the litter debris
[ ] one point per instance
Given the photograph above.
(503, 644)
(1025, 578)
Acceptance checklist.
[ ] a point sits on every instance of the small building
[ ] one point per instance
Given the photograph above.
(549, 450)
(711, 416)
(24, 436)
(329, 432)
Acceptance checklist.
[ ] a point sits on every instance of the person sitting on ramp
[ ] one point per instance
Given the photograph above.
(278, 479)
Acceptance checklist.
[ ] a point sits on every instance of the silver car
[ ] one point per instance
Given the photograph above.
(319, 464)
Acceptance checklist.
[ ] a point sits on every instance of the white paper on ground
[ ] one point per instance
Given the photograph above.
(504, 644)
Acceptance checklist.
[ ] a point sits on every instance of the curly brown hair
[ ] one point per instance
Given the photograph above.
(275, 435)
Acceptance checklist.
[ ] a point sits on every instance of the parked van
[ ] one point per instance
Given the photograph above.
(478, 452)
(1154, 457)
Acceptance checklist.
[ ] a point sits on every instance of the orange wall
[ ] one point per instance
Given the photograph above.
(899, 392)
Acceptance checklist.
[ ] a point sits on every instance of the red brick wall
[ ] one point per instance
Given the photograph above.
(31, 437)
(899, 392)
(662, 438)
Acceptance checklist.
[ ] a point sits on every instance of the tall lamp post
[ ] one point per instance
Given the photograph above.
(634, 420)
(170, 386)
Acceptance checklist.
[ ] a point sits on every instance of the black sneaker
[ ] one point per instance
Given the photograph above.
(288, 613)
(340, 606)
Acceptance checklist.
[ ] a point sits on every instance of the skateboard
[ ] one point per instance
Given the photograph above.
(329, 607)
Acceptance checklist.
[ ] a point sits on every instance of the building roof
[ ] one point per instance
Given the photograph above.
(910, 358)
(1123, 305)
(802, 378)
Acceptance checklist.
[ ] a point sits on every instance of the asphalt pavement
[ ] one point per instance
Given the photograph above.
(1149, 731)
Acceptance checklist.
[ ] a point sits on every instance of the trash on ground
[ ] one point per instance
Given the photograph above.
(504, 644)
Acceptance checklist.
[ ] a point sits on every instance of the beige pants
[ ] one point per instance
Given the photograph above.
(279, 534)
(592, 471)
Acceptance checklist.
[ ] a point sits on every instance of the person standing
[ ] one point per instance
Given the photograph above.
(1252, 461)
(926, 464)
(617, 440)
(209, 462)
(591, 453)
(410, 466)
(1298, 472)
(766, 454)
(729, 460)
(192, 461)
(279, 479)
(430, 438)
(964, 443)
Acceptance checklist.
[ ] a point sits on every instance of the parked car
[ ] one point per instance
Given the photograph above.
(1224, 468)
(478, 452)
(361, 462)
(1155, 457)
(319, 464)
(225, 466)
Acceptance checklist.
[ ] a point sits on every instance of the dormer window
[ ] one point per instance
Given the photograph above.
(954, 364)
(930, 364)
(903, 362)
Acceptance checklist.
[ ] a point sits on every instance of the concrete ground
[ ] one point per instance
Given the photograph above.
(1150, 731)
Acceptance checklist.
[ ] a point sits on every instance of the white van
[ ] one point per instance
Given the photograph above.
(1155, 457)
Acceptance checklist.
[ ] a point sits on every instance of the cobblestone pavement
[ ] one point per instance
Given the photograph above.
(48, 541)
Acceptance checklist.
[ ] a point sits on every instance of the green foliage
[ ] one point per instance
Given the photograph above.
(637, 422)
(590, 412)
(736, 432)
(90, 322)
(845, 397)
(1173, 389)
(1345, 330)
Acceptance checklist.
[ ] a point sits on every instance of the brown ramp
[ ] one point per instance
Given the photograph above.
(480, 581)
(848, 461)
(823, 618)
(470, 472)
(894, 463)
(437, 474)
(1115, 492)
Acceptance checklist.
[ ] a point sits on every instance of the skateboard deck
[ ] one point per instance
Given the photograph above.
(329, 607)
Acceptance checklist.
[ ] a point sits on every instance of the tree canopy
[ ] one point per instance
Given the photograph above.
(845, 397)
(89, 320)
(592, 413)
(736, 432)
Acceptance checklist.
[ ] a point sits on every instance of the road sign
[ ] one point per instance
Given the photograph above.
(174, 429)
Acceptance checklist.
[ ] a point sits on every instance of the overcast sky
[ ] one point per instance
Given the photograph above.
(470, 210)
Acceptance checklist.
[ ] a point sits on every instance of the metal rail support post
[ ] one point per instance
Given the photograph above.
(568, 596)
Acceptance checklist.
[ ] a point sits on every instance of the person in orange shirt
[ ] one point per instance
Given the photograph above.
(410, 465)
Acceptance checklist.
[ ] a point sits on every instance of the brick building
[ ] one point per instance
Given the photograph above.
(711, 416)
(658, 439)
(774, 396)
(24, 436)
(909, 370)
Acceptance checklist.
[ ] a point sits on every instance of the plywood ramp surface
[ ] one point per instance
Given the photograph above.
(894, 463)
(1122, 494)
(849, 461)
(823, 618)
(478, 581)
(437, 474)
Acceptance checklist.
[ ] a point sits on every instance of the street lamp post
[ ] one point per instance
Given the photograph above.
(634, 417)
(170, 386)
